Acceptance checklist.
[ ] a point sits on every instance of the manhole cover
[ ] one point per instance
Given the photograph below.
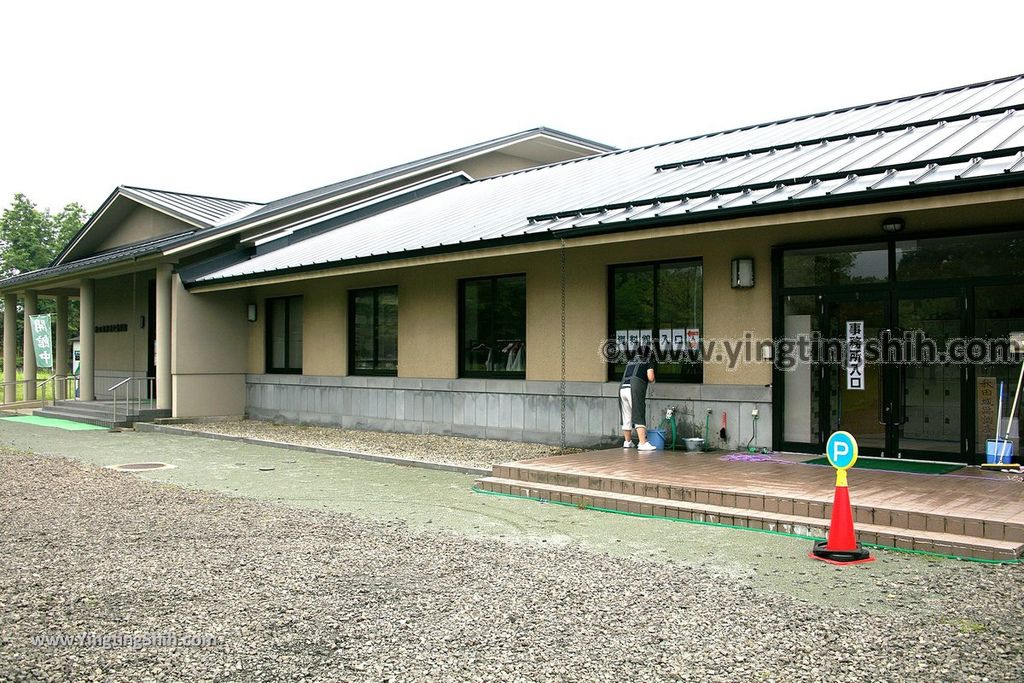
(140, 466)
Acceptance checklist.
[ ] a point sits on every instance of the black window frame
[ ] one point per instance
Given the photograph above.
(614, 375)
(269, 368)
(376, 292)
(485, 374)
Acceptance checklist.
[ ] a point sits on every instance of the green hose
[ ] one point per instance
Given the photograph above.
(670, 424)
(746, 528)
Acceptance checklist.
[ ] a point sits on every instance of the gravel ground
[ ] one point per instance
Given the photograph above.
(297, 594)
(457, 450)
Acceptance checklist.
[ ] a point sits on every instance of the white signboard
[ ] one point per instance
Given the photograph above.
(855, 355)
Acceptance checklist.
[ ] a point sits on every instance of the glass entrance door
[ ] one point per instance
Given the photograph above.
(904, 400)
(858, 396)
(930, 382)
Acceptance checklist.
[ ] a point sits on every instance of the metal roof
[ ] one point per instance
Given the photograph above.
(124, 253)
(359, 182)
(940, 141)
(198, 209)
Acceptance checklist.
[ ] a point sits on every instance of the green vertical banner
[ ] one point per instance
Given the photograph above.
(42, 340)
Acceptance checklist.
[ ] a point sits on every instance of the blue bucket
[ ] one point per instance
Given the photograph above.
(657, 438)
(994, 448)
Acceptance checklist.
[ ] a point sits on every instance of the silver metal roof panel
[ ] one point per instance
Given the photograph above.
(762, 166)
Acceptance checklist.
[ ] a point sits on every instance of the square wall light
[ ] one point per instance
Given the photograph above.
(742, 273)
(251, 313)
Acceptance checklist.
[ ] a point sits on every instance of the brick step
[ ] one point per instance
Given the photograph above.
(749, 500)
(909, 539)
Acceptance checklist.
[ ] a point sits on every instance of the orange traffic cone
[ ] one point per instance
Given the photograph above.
(841, 546)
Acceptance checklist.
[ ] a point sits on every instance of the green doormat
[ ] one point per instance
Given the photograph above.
(52, 422)
(895, 465)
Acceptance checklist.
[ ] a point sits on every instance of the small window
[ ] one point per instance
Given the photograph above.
(373, 331)
(284, 335)
(492, 314)
(659, 306)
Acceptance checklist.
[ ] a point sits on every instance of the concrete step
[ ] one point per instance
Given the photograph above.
(890, 516)
(100, 413)
(86, 418)
(963, 545)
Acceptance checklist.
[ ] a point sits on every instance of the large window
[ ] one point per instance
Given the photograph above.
(284, 334)
(659, 305)
(492, 322)
(373, 331)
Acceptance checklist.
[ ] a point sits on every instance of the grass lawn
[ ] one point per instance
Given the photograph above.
(41, 374)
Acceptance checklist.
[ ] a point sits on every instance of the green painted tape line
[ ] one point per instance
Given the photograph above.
(52, 422)
(745, 528)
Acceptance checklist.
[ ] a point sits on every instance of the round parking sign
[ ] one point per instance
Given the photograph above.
(841, 450)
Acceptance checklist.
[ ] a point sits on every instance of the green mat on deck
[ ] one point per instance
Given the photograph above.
(895, 465)
(52, 422)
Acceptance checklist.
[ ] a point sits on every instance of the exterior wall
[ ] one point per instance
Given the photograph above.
(122, 300)
(142, 224)
(428, 396)
(500, 409)
(208, 360)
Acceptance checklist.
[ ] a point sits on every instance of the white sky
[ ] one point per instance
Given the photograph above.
(258, 100)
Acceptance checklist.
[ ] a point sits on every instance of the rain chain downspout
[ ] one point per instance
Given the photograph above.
(561, 384)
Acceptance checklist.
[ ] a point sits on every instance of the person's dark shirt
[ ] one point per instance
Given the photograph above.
(635, 367)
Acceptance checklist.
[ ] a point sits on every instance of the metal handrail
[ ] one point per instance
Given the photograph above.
(143, 383)
(127, 396)
(42, 385)
(26, 383)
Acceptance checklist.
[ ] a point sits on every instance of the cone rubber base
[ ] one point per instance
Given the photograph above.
(856, 556)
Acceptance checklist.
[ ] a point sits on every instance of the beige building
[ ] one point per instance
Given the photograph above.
(495, 290)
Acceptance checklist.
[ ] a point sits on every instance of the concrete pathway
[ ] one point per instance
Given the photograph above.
(444, 501)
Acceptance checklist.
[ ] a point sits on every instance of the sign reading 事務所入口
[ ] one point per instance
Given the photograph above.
(855, 354)
(42, 340)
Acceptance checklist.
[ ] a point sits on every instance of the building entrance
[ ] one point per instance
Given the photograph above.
(908, 348)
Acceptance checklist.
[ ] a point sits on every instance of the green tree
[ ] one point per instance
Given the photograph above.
(30, 239)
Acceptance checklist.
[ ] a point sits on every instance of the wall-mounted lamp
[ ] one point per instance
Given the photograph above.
(742, 273)
(251, 313)
(893, 224)
(142, 322)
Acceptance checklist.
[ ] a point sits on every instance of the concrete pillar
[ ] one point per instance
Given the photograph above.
(30, 307)
(86, 341)
(10, 347)
(60, 361)
(163, 336)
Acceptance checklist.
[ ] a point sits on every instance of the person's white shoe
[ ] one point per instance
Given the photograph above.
(627, 444)
(646, 446)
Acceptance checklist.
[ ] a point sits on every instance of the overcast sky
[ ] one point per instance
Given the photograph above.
(259, 100)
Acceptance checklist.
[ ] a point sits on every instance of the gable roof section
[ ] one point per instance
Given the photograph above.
(951, 140)
(198, 211)
(214, 218)
(310, 198)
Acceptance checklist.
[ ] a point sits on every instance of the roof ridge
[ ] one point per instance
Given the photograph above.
(864, 132)
(438, 156)
(932, 93)
(189, 194)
